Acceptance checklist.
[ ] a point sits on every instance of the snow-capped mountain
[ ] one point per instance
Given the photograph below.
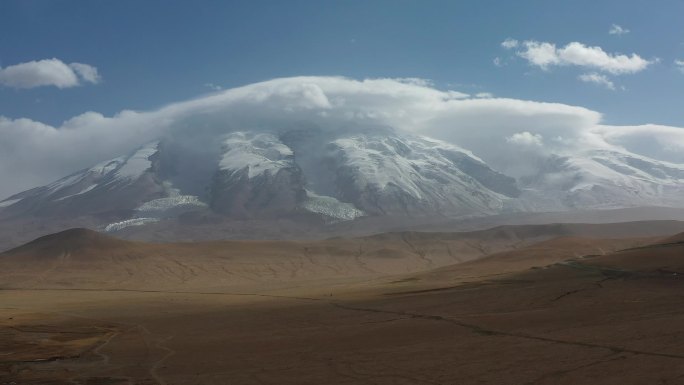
(603, 179)
(338, 175)
(268, 175)
(118, 184)
(127, 187)
(370, 173)
(257, 176)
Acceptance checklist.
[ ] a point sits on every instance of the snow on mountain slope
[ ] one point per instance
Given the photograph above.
(157, 209)
(257, 177)
(141, 161)
(115, 185)
(257, 153)
(414, 175)
(8, 202)
(310, 171)
(604, 179)
(330, 207)
(375, 171)
(261, 162)
(85, 190)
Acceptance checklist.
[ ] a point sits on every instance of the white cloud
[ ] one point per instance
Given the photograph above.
(33, 153)
(48, 72)
(680, 65)
(526, 138)
(656, 141)
(86, 72)
(617, 30)
(510, 43)
(545, 55)
(484, 95)
(599, 79)
(213, 86)
(540, 54)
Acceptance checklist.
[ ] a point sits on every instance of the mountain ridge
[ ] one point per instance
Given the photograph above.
(85, 258)
(321, 176)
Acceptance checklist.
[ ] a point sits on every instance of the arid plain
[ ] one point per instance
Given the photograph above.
(538, 304)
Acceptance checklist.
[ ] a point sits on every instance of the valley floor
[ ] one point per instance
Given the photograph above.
(570, 323)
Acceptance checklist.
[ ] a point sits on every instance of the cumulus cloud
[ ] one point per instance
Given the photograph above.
(598, 79)
(540, 54)
(545, 55)
(33, 153)
(525, 138)
(510, 43)
(48, 72)
(617, 30)
(680, 65)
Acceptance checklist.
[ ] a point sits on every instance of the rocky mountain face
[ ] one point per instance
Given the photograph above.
(310, 172)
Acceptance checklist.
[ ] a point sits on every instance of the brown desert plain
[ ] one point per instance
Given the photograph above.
(533, 304)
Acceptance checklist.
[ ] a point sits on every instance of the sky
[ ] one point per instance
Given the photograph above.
(74, 65)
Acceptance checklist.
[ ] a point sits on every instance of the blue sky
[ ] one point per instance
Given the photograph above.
(151, 53)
